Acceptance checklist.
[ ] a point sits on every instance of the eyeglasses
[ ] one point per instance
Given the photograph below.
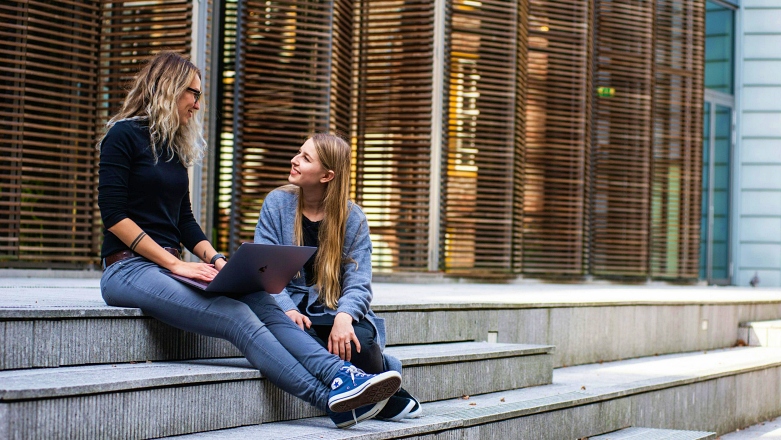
(196, 93)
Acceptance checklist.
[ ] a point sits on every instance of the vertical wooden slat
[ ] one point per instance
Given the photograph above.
(224, 190)
(677, 146)
(520, 135)
(48, 73)
(557, 142)
(393, 105)
(621, 150)
(286, 73)
(133, 31)
(481, 144)
(340, 116)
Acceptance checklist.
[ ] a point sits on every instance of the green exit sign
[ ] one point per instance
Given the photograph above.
(606, 92)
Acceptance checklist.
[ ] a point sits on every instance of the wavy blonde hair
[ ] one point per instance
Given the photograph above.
(334, 153)
(154, 95)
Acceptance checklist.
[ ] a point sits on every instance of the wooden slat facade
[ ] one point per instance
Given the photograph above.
(290, 89)
(556, 168)
(677, 138)
(539, 175)
(225, 106)
(393, 136)
(621, 139)
(520, 143)
(480, 150)
(131, 32)
(49, 90)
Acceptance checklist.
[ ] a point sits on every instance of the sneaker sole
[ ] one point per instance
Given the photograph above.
(369, 415)
(405, 413)
(416, 413)
(372, 391)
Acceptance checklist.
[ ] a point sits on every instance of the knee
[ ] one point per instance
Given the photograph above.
(366, 335)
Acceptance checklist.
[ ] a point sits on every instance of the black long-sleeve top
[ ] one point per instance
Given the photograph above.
(155, 196)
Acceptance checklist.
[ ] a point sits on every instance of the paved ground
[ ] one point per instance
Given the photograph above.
(765, 430)
(85, 292)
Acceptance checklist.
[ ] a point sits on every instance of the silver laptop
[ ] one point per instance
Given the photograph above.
(255, 267)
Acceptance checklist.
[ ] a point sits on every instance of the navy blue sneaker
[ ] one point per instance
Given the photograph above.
(351, 418)
(396, 409)
(352, 388)
(416, 410)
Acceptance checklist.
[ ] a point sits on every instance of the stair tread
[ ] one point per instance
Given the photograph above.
(462, 351)
(49, 298)
(572, 386)
(90, 379)
(773, 323)
(638, 433)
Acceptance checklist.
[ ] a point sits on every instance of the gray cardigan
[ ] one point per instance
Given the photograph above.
(275, 226)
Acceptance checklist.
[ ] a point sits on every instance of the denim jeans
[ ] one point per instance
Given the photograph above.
(369, 359)
(271, 341)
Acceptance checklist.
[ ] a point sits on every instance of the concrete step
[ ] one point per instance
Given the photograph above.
(761, 333)
(635, 433)
(718, 391)
(767, 430)
(154, 399)
(57, 322)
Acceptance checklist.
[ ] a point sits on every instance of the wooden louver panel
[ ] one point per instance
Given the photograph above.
(48, 85)
(621, 149)
(393, 105)
(133, 31)
(478, 184)
(224, 192)
(340, 120)
(519, 161)
(557, 144)
(677, 146)
(480, 153)
(286, 56)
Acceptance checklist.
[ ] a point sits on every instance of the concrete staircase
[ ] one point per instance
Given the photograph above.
(658, 434)
(71, 367)
(761, 333)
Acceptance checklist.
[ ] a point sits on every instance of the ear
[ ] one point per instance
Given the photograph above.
(329, 176)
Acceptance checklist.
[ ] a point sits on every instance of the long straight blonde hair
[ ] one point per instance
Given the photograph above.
(154, 95)
(334, 153)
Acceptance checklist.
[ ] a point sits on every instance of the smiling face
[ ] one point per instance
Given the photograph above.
(187, 104)
(306, 170)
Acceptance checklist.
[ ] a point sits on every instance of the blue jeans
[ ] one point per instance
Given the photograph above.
(271, 341)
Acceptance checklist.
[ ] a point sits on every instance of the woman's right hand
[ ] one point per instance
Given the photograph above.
(299, 318)
(198, 271)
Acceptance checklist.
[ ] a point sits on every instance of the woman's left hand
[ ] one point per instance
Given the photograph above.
(341, 334)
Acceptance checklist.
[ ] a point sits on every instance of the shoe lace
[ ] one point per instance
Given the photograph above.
(355, 371)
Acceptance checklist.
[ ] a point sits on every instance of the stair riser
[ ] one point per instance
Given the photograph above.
(581, 334)
(53, 343)
(194, 408)
(759, 336)
(477, 377)
(586, 334)
(152, 412)
(722, 405)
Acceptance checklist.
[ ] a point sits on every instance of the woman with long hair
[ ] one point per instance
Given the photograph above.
(331, 297)
(144, 202)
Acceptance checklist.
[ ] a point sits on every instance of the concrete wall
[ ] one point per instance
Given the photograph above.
(757, 199)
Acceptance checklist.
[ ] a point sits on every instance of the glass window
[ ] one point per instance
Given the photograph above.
(719, 47)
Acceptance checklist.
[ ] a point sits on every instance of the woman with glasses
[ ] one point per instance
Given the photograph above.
(331, 298)
(144, 201)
